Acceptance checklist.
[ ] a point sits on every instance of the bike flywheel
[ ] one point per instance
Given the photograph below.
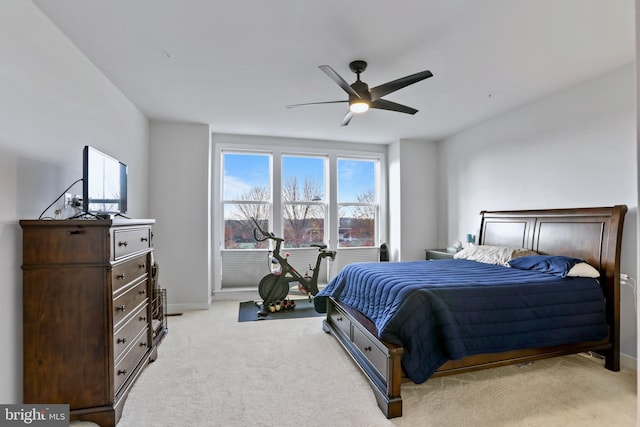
(271, 290)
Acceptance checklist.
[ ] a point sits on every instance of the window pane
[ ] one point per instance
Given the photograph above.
(358, 203)
(357, 226)
(303, 224)
(238, 225)
(302, 179)
(246, 177)
(356, 179)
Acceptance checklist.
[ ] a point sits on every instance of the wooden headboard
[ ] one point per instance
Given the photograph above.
(592, 234)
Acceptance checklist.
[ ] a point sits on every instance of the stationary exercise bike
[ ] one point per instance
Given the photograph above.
(275, 286)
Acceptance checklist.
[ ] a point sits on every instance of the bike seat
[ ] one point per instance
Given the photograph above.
(315, 245)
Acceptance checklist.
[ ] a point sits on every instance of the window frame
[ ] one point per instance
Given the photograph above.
(224, 202)
(375, 204)
(278, 147)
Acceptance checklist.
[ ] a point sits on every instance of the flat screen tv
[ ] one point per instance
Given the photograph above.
(104, 184)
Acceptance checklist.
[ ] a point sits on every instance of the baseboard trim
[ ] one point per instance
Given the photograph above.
(236, 295)
(628, 362)
(181, 308)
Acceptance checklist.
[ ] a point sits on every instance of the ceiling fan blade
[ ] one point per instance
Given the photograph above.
(347, 118)
(314, 103)
(383, 104)
(339, 80)
(386, 88)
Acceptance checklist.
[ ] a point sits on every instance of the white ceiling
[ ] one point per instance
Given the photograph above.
(236, 64)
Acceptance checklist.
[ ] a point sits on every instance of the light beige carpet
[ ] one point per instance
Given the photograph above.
(214, 371)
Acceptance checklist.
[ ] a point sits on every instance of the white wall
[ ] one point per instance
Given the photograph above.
(413, 213)
(179, 200)
(53, 102)
(637, 4)
(576, 148)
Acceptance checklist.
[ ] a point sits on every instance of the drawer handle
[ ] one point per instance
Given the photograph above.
(122, 371)
(142, 292)
(125, 243)
(143, 265)
(121, 308)
(143, 344)
(120, 276)
(121, 340)
(143, 318)
(144, 239)
(339, 319)
(368, 348)
(72, 232)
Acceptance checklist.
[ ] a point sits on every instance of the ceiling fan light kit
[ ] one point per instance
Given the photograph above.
(361, 98)
(358, 107)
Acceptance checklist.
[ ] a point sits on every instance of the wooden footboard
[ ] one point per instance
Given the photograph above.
(378, 360)
(593, 234)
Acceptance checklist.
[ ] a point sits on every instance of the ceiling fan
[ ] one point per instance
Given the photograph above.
(361, 98)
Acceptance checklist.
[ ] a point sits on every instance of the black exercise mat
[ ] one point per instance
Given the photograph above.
(249, 311)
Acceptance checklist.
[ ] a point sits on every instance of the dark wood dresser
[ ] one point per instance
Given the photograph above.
(88, 313)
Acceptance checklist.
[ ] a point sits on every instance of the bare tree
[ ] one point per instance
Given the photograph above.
(357, 220)
(301, 218)
(304, 219)
(365, 211)
(245, 211)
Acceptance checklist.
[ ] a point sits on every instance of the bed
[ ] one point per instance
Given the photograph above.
(383, 313)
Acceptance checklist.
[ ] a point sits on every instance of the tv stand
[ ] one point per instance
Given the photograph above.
(109, 215)
(105, 216)
(90, 308)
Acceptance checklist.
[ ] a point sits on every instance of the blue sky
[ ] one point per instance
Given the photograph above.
(245, 171)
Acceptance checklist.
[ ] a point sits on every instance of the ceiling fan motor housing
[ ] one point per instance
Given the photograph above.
(361, 89)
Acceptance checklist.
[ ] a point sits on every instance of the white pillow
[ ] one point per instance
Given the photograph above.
(583, 269)
(493, 254)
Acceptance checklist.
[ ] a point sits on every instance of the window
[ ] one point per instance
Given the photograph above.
(246, 194)
(305, 192)
(303, 195)
(358, 207)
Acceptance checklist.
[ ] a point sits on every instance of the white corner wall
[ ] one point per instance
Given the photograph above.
(412, 214)
(53, 102)
(576, 148)
(180, 202)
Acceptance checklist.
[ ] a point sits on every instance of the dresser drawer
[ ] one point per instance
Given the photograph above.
(72, 244)
(130, 240)
(377, 357)
(128, 302)
(340, 320)
(125, 336)
(130, 359)
(129, 271)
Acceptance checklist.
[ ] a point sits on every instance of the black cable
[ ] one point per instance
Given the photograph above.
(62, 195)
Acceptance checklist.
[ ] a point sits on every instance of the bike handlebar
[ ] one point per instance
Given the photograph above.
(265, 234)
(269, 235)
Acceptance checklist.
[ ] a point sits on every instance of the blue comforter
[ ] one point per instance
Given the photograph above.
(449, 309)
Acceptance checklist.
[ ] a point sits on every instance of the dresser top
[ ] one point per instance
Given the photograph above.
(116, 222)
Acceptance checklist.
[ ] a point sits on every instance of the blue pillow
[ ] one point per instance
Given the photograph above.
(552, 264)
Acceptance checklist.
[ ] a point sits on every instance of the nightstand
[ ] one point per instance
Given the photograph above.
(436, 254)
